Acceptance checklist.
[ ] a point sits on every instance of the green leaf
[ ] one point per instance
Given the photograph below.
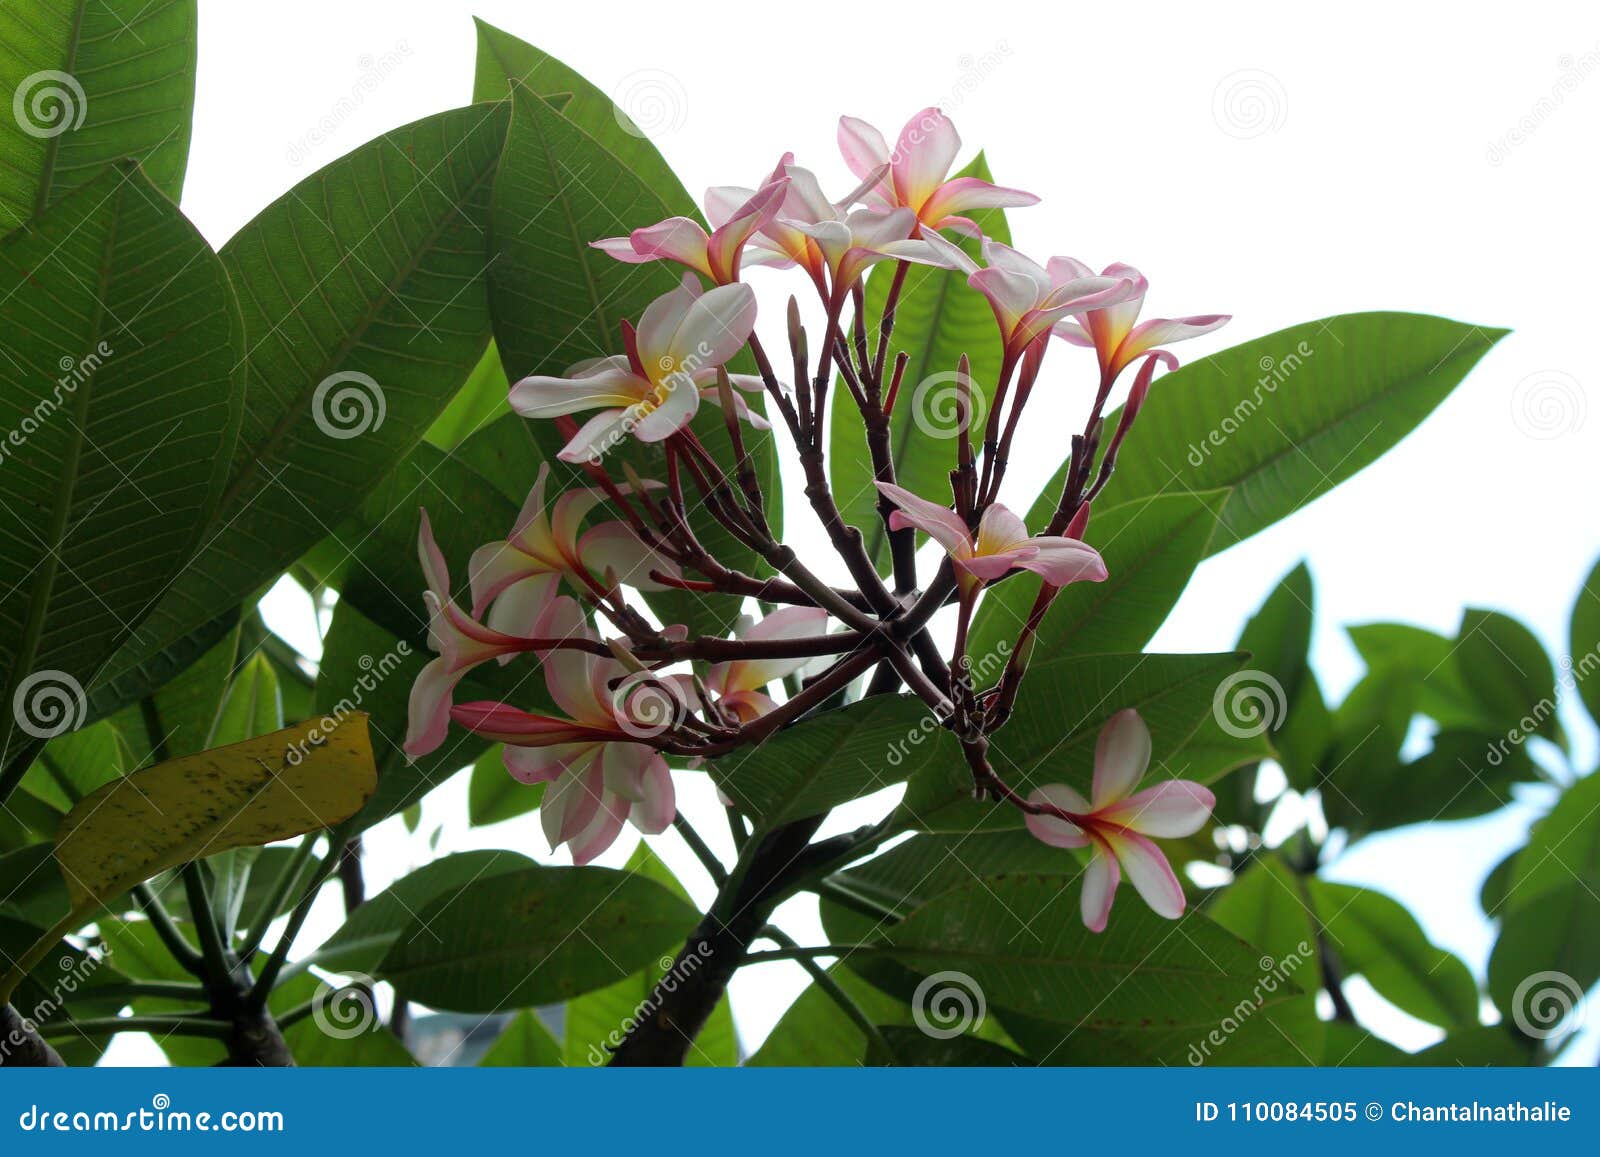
(354, 1037)
(1375, 936)
(119, 347)
(557, 301)
(914, 1048)
(74, 764)
(374, 928)
(363, 293)
(1425, 661)
(598, 1021)
(814, 1031)
(1022, 942)
(1584, 652)
(92, 83)
(928, 865)
(1549, 937)
(254, 705)
(938, 318)
(1505, 666)
(1267, 906)
(480, 402)
(524, 1043)
(144, 679)
(1150, 547)
(493, 796)
(1051, 736)
(243, 795)
(834, 757)
(1284, 418)
(535, 936)
(177, 718)
(1466, 774)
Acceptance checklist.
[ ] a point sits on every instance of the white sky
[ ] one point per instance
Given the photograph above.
(1372, 171)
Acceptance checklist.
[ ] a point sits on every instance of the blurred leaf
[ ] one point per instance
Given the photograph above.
(1266, 906)
(493, 796)
(363, 292)
(125, 426)
(1151, 547)
(1505, 666)
(938, 318)
(928, 865)
(1426, 662)
(480, 402)
(177, 718)
(243, 795)
(524, 1043)
(1584, 644)
(581, 928)
(93, 83)
(1465, 775)
(912, 1047)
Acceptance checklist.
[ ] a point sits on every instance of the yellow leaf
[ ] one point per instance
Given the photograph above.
(246, 794)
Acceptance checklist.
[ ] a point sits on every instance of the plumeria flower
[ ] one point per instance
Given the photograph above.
(517, 578)
(1027, 298)
(739, 686)
(1114, 336)
(653, 390)
(462, 643)
(917, 171)
(599, 773)
(857, 240)
(1001, 544)
(1119, 823)
(716, 254)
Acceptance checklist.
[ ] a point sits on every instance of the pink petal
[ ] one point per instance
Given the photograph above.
(622, 249)
(428, 713)
(1100, 880)
(863, 146)
(434, 569)
(1169, 811)
(601, 833)
(1060, 561)
(1121, 754)
(518, 607)
(1162, 331)
(675, 239)
(964, 194)
(942, 524)
(1148, 871)
(605, 431)
(616, 547)
(1053, 830)
(923, 155)
(656, 808)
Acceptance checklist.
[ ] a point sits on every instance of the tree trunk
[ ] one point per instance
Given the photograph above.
(21, 1046)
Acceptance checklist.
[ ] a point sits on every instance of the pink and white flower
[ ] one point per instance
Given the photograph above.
(717, 254)
(1119, 822)
(1112, 331)
(918, 171)
(653, 390)
(462, 643)
(1027, 298)
(598, 774)
(738, 686)
(1002, 543)
(517, 578)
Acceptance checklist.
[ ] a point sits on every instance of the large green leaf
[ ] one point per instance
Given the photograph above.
(1375, 936)
(534, 936)
(178, 717)
(1423, 660)
(837, 756)
(1051, 737)
(363, 294)
(1584, 643)
(1284, 418)
(1550, 920)
(1266, 905)
(927, 865)
(557, 301)
(92, 83)
(120, 344)
(1150, 546)
(1466, 774)
(1505, 666)
(373, 929)
(524, 1043)
(1023, 944)
(939, 318)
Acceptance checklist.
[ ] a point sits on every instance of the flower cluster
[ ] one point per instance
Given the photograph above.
(629, 699)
